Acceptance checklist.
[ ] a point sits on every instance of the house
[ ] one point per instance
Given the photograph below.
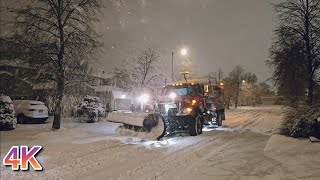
(13, 81)
(119, 99)
(19, 80)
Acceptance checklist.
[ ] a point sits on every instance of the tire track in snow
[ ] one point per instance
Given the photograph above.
(161, 165)
(93, 158)
(255, 119)
(247, 118)
(133, 165)
(195, 160)
(241, 155)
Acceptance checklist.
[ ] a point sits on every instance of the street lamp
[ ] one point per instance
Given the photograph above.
(183, 52)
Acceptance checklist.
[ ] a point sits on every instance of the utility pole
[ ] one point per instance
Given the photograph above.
(172, 68)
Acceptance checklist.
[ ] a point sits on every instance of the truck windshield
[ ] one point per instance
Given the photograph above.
(184, 90)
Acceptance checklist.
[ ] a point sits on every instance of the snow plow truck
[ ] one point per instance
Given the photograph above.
(182, 107)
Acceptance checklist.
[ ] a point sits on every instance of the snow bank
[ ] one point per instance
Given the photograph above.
(294, 154)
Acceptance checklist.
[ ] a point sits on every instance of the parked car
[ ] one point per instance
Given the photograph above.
(7, 118)
(29, 111)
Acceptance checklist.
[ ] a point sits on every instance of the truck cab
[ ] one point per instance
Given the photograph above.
(186, 105)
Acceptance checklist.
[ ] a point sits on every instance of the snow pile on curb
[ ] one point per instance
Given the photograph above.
(7, 119)
(293, 154)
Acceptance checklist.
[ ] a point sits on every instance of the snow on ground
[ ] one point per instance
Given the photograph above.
(245, 147)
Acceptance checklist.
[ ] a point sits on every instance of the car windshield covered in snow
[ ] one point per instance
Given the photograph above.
(183, 90)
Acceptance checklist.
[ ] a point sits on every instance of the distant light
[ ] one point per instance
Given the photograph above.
(144, 98)
(184, 51)
(243, 81)
(123, 96)
(173, 95)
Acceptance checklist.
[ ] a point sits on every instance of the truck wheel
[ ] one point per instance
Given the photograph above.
(201, 124)
(195, 126)
(219, 121)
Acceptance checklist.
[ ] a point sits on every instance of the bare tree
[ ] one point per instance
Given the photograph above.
(235, 77)
(141, 72)
(250, 78)
(65, 29)
(300, 18)
(123, 75)
(229, 92)
(217, 77)
(249, 87)
(145, 71)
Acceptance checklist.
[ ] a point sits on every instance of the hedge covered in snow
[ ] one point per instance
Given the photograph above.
(303, 121)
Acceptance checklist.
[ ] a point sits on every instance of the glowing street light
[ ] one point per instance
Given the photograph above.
(183, 51)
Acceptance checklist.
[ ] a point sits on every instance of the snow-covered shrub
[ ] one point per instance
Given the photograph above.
(91, 103)
(7, 118)
(302, 121)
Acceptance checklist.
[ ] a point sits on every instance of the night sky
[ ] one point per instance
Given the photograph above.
(217, 33)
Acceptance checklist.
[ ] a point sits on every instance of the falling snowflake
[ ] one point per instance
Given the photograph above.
(143, 3)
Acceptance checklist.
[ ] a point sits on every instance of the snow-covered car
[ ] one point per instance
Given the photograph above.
(7, 119)
(30, 111)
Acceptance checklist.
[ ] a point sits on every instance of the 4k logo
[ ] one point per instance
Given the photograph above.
(19, 158)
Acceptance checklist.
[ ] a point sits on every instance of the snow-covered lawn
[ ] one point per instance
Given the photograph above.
(246, 147)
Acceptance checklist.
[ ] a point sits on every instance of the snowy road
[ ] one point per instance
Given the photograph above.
(246, 147)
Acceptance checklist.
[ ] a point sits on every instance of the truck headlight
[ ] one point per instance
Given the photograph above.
(188, 110)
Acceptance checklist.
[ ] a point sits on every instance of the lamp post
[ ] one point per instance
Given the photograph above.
(172, 67)
(183, 52)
